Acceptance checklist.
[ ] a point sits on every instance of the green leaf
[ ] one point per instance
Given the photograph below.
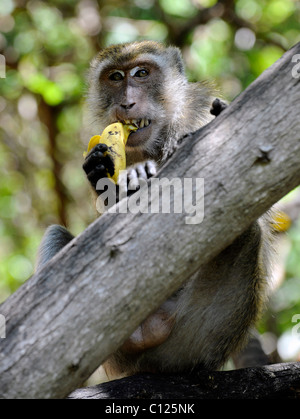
(51, 92)
(182, 8)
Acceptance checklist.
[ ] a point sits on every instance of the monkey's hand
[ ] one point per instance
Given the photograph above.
(217, 107)
(136, 176)
(97, 164)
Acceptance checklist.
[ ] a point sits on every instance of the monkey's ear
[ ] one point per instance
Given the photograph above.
(176, 58)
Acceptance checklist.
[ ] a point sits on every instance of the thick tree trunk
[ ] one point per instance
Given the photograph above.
(68, 318)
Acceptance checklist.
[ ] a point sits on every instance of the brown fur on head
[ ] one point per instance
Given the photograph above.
(145, 81)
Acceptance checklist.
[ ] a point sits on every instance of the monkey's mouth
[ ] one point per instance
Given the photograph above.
(139, 136)
(139, 123)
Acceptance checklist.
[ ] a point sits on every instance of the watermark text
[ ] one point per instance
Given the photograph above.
(2, 67)
(296, 328)
(296, 68)
(2, 327)
(164, 196)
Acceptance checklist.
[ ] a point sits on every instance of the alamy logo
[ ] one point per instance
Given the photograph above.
(296, 68)
(296, 329)
(2, 327)
(2, 67)
(164, 196)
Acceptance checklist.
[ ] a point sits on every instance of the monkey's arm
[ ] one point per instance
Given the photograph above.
(56, 237)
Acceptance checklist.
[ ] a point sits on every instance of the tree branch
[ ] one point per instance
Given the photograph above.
(48, 115)
(68, 318)
(268, 382)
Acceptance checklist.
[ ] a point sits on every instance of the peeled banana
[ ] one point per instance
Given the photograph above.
(115, 137)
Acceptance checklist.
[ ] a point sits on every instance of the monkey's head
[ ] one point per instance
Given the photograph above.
(143, 83)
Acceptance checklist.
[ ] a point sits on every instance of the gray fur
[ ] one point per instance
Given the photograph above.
(55, 238)
(215, 311)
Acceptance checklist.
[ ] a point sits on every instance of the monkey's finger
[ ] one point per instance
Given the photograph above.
(141, 171)
(92, 160)
(122, 184)
(133, 180)
(151, 168)
(98, 173)
(99, 147)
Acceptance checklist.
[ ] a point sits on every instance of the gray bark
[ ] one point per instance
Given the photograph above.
(68, 318)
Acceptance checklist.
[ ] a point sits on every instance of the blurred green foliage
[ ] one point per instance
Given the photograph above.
(48, 45)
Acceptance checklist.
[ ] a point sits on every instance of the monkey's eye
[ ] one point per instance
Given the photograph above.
(141, 73)
(117, 76)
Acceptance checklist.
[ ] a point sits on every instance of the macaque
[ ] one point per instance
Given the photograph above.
(209, 318)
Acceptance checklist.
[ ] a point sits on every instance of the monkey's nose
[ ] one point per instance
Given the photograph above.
(127, 107)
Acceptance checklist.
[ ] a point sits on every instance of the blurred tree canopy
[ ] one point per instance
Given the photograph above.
(47, 46)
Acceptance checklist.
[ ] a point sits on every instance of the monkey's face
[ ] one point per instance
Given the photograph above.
(137, 85)
(129, 97)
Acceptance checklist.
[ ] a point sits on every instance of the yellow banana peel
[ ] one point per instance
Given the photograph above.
(115, 136)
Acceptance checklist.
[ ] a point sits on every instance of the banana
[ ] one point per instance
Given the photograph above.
(115, 137)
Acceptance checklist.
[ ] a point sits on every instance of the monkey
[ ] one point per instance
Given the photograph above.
(211, 316)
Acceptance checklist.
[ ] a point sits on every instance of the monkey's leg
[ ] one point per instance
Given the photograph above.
(55, 238)
(212, 313)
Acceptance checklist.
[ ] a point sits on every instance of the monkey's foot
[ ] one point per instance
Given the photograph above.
(130, 181)
(152, 332)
